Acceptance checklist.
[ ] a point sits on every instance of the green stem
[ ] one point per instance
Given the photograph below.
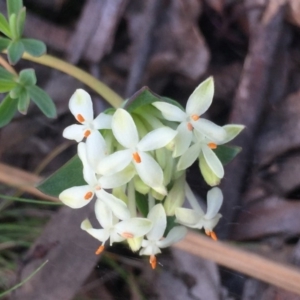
(131, 199)
(102, 89)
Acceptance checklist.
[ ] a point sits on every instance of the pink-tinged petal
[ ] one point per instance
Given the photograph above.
(74, 132)
(158, 217)
(170, 111)
(189, 157)
(118, 207)
(150, 172)
(102, 121)
(187, 217)
(183, 139)
(214, 202)
(115, 162)
(77, 196)
(175, 235)
(213, 161)
(124, 128)
(100, 234)
(201, 98)
(156, 139)
(212, 131)
(117, 179)
(81, 106)
(103, 214)
(95, 148)
(134, 227)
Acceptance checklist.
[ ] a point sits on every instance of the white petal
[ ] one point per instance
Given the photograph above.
(150, 172)
(182, 140)
(115, 237)
(156, 139)
(95, 148)
(158, 217)
(81, 104)
(232, 130)
(212, 131)
(117, 179)
(189, 157)
(211, 223)
(81, 150)
(118, 207)
(102, 121)
(214, 202)
(103, 214)
(74, 196)
(124, 128)
(115, 162)
(209, 176)
(213, 161)
(170, 111)
(137, 227)
(99, 234)
(187, 217)
(150, 249)
(201, 98)
(74, 132)
(175, 235)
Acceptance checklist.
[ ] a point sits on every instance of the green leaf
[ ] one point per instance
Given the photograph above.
(14, 93)
(14, 6)
(13, 27)
(34, 47)
(208, 175)
(142, 203)
(172, 101)
(23, 101)
(27, 77)
(6, 75)
(15, 51)
(4, 26)
(227, 153)
(67, 176)
(8, 107)
(42, 100)
(21, 21)
(6, 86)
(4, 43)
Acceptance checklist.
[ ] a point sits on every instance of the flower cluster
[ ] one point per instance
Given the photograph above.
(134, 165)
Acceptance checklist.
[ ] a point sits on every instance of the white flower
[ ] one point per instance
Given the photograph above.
(125, 131)
(112, 229)
(81, 107)
(197, 104)
(196, 218)
(155, 237)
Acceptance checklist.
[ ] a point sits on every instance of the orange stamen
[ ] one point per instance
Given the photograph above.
(99, 250)
(87, 133)
(152, 261)
(80, 118)
(212, 234)
(212, 145)
(127, 235)
(136, 157)
(195, 117)
(88, 196)
(190, 126)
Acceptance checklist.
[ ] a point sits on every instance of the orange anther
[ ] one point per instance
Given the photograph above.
(80, 118)
(211, 234)
(88, 196)
(190, 126)
(195, 117)
(136, 157)
(99, 250)
(212, 145)
(127, 235)
(152, 261)
(87, 133)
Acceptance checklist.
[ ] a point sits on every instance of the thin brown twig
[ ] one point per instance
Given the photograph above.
(7, 66)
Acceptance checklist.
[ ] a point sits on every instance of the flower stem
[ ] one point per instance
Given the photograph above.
(131, 199)
(102, 89)
(192, 199)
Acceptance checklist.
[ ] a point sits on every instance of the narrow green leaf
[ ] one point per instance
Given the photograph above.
(14, 6)
(42, 100)
(4, 26)
(15, 51)
(8, 107)
(208, 175)
(6, 86)
(27, 77)
(142, 203)
(21, 21)
(4, 43)
(34, 47)
(67, 176)
(31, 201)
(227, 153)
(23, 101)
(13, 26)
(6, 75)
